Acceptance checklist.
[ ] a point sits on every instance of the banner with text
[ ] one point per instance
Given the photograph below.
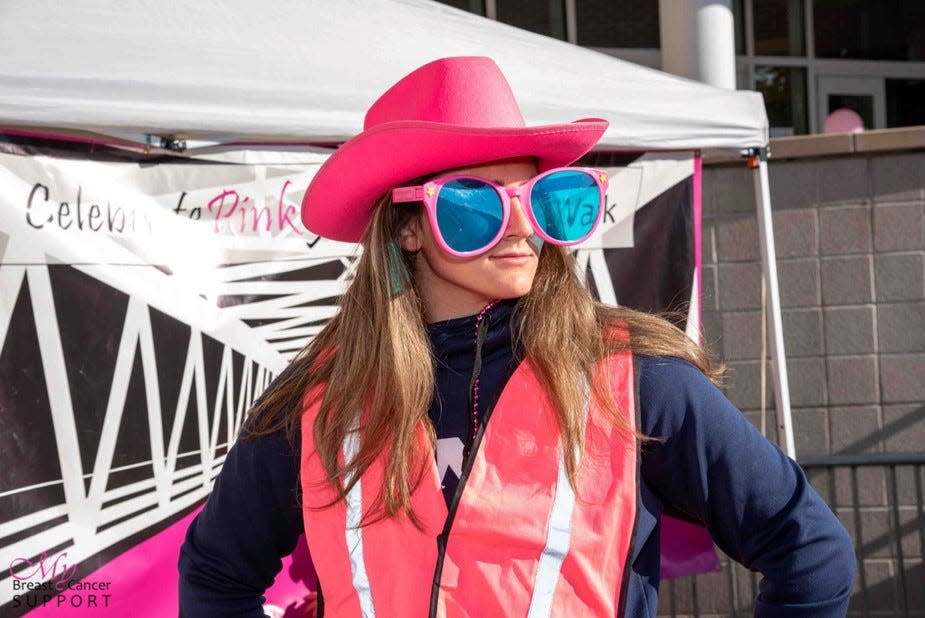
(144, 306)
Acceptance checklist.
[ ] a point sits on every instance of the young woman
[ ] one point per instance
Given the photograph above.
(474, 435)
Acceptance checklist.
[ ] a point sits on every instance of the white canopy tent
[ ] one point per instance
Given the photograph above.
(243, 75)
(233, 70)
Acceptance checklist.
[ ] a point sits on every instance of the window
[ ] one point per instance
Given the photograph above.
(779, 28)
(628, 23)
(870, 29)
(738, 16)
(905, 102)
(540, 16)
(784, 90)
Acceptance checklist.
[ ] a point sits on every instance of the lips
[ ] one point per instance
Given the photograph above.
(513, 259)
(511, 255)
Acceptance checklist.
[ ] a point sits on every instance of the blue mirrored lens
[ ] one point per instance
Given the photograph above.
(566, 204)
(469, 214)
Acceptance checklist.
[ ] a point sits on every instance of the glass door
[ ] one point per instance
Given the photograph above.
(864, 95)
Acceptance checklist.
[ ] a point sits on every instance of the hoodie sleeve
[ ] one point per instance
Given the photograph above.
(252, 518)
(710, 463)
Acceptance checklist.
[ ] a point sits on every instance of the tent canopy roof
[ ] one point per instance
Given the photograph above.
(295, 71)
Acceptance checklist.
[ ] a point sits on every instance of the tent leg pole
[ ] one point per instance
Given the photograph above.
(769, 266)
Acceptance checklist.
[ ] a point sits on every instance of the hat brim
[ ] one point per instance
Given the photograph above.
(339, 201)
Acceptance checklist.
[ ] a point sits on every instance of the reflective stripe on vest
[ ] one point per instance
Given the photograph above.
(354, 534)
(522, 541)
(557, 542)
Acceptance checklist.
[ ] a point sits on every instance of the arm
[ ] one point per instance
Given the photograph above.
(252, 518)
(713, 465)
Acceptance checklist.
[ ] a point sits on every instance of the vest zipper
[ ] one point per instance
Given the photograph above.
(471, 447)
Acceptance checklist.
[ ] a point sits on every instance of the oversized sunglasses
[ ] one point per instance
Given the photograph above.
(469, 214)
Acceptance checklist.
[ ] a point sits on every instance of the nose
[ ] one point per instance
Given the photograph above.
(519, 223)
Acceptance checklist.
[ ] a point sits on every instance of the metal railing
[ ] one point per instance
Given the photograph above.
(879, 499)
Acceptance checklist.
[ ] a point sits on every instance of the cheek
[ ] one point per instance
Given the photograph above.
(525, 278)
(438, 260)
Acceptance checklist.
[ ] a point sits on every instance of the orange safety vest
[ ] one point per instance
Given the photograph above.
(521, 541)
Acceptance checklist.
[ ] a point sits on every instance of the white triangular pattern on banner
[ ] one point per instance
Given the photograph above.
(86, 513)
(179, 418)
(11, 280)
(115, 408)
(602, 281)
(59, 393)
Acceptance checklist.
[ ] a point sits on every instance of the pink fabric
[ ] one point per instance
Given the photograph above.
(698, 237)
(143, 582)
(294, 590)
(687, 549)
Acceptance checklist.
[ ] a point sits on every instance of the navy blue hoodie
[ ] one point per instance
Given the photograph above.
(709, 465)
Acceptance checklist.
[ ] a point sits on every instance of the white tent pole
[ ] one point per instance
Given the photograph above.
(769, 265)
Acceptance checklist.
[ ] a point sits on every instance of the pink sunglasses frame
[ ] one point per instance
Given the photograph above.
(430, 191)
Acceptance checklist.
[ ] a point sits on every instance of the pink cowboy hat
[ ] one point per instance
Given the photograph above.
(449, 113)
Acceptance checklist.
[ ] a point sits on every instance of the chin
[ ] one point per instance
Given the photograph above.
(513, 289)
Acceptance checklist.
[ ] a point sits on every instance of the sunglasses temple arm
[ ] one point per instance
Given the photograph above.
(407, 194)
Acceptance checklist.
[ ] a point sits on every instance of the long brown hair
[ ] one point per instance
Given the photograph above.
(375, 355)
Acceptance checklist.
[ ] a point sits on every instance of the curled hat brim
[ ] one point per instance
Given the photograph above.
(339, 201)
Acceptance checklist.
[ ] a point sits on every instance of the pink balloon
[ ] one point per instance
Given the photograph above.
(843, 120)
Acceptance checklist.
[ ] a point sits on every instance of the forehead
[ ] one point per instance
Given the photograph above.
(509, 171)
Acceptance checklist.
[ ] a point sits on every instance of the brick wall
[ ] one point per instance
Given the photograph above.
(850, 239)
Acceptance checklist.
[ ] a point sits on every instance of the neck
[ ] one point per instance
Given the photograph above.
(443, 301)
(441, 313)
